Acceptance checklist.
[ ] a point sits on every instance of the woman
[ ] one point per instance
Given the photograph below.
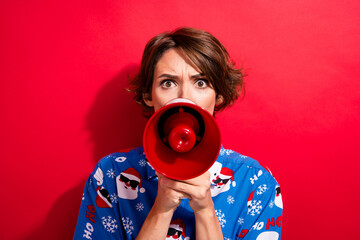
(237, 198)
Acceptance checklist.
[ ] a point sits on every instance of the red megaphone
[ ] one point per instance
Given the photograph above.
(181, 140)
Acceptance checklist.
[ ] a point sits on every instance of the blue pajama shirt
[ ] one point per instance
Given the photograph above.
(122, 189)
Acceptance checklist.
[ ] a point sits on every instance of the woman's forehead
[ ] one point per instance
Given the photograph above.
(173, 61)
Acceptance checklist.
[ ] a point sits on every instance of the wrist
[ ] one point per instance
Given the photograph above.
(162, 207)
(208, 211)
(207, 224)
(161, 211)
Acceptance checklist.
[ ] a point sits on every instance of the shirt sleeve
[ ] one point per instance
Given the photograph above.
(264, 217)
(97, 218)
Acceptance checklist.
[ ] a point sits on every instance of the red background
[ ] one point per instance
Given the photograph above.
(64, 67)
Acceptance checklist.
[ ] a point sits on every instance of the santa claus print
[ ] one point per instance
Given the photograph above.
(177, 230)
(222, 181)
(278, 198)
(254, 206)
(103, 198)
(129, 183)
(250, 198)
(215, 171)
(99, 176)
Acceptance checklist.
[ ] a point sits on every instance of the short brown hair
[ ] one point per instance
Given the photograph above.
(204, 51)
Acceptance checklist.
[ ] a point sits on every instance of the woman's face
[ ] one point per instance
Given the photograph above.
(175, 78)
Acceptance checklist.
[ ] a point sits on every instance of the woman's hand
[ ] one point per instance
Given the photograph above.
(167, 199)
(196, 189)
(169, 196)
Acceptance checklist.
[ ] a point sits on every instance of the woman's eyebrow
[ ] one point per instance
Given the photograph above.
(165, 75)
(198, 75)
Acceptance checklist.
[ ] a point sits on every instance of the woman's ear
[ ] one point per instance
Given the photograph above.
(147, 99)
(219, 100)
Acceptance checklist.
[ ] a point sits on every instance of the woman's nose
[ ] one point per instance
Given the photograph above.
(184, 92)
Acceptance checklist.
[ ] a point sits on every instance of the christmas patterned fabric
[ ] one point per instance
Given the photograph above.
(123, 186)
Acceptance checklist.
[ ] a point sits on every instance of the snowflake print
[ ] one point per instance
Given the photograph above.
(114, 198)
(221, 217)
(255, 207)
(240, 221)
(109, 223)
(271, 204)
(225, 152)
(139, 207)
(83, 197)
(110, 173)
(142, 163)
(261, 189)
(243, 156)
(128, 225)
(230, 199)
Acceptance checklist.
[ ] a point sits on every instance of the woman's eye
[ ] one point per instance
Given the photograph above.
(167, 83)
(201, 83)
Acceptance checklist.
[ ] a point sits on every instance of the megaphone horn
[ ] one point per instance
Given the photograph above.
(181, 140)
(181, 128)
